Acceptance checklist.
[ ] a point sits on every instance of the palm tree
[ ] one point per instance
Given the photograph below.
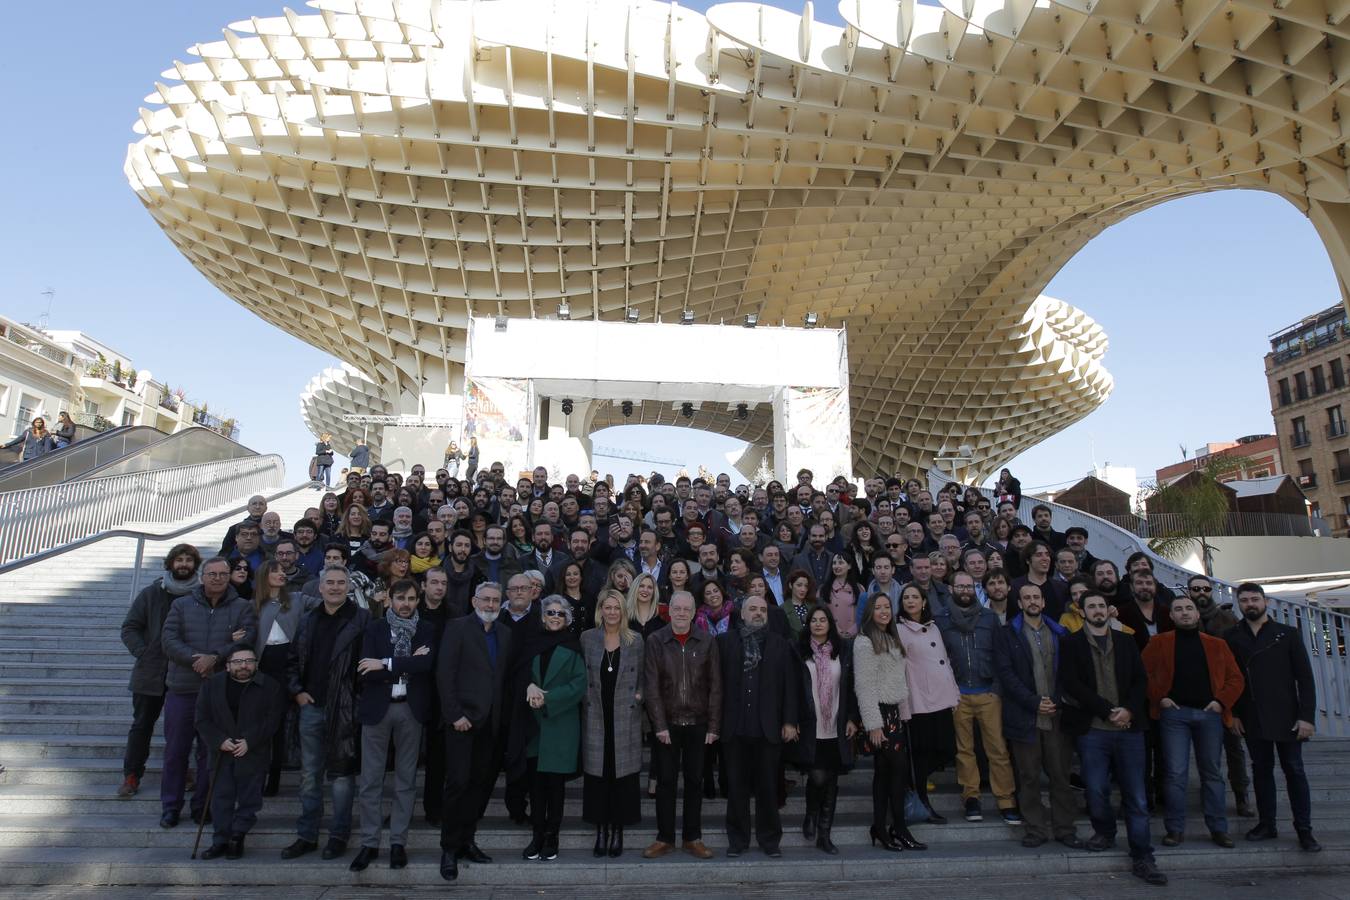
(1197, 507)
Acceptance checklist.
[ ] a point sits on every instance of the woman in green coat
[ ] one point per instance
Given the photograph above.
(557, 685)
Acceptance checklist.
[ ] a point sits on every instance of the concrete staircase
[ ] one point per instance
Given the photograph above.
(65, 709)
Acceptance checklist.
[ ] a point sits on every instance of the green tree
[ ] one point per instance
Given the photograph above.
(1196, 507)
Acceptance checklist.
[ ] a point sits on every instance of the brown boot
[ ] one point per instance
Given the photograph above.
(697, 849)
(657, 849)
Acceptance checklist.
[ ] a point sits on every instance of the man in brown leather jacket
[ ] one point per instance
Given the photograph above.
(684, 699)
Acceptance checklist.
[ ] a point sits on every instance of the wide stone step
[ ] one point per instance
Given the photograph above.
(69, 668)
(56, 865)
(91, 687)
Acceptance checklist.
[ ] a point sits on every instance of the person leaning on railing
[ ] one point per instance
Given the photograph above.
(36, 441)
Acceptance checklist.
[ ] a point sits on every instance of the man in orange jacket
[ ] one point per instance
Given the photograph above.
(1193, 682)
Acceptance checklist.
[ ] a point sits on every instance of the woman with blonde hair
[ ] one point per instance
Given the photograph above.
(612, 721)
(645, 612)
(355, 528)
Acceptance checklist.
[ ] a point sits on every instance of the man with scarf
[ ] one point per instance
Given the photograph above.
(140, 632)
(969, 631)
(396, 688)
(759, 713)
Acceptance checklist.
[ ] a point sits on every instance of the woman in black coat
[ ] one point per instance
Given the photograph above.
(826, 746)
(323, 459)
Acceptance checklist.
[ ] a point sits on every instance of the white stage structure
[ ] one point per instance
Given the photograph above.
(521, 375)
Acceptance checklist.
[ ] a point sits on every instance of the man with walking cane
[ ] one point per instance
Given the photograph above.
(238, 712)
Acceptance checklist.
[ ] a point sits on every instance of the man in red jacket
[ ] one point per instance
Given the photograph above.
(1193, 682)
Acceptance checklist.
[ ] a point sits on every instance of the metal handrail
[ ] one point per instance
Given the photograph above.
(61, 515)
(144, 537)
(1325, 632)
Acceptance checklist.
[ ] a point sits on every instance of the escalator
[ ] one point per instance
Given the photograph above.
(120, 451)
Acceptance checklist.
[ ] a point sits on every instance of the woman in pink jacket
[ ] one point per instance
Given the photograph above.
(932, 693)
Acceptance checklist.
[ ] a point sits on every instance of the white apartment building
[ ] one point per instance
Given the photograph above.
(44, 373)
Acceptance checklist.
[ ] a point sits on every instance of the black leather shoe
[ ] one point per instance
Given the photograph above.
(201, 815)
(532, 849)
(449, 866)
(363, 858)
(398, 856)
(1173, 839)
(473, 853)
(1147, 870)
(333, 849)
(1221, 839)
(213, 851)
(169, 819)
(733, 852)
(1072, 841)
(1032, 841)
(601, 841)
(615, 842)
(1263, 832)
(1307, 842)
(883, 837)
(299, 848)
(1097, 843)
(907, 840)
(773, 852)
(234, 849)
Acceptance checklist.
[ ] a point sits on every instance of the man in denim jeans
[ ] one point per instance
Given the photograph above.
(1193, 682)
(1105, 683)
(321, 675)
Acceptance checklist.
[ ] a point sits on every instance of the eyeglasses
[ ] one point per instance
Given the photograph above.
(1202, 588)
(215, 574)
(555, 613)
(242, 662)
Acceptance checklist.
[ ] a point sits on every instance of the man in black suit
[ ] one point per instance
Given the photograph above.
(759, 713)
(238, 712)
(395, 703)
(470, 677)
(544, 558)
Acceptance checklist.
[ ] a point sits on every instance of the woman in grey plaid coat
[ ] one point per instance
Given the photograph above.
(612, 735)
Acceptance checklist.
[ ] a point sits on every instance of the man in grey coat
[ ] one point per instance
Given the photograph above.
(141, 633)
(200, 632)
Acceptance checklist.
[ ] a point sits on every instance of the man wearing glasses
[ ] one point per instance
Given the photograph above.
(238, 712)
(201, 631)
(1215, 620)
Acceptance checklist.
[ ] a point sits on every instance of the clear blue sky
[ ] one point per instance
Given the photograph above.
(1188, 292)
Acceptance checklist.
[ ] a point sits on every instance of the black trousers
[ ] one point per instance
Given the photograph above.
(272, 663)
(433, 784)
(546, 800)
(145, 710)
(236, 798)
(684, 754)
(752, 768)
(469, 775)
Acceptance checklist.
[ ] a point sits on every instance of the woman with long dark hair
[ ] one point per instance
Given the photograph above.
(883, 705)
(826, 743)
(36, 440)
(278, 620)
(801, 596)
(933, 694)
(241, 577)
(861, 550)
(330, 514)
(841, 593)
(715, 613)
(679, 575)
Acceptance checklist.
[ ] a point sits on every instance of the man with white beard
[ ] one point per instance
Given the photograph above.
(470, 678)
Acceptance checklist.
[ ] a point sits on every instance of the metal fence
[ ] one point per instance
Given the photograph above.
(39, 519)
(1234, 524)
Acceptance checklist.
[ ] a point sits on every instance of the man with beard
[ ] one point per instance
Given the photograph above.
(395, 671)
(1145, 611)
(969, 632)
(1105, 678)
(1193, 683)
(461, 578)
(470, 679)
(759, 715)
(1216, 620)
(238, 712)
(367, 558)
(308, 547)
(544, 558)
(141, 634)
(1105, 579)
(1275, 713)
(493, 564)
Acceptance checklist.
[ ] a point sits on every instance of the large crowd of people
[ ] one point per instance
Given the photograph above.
(544, 632)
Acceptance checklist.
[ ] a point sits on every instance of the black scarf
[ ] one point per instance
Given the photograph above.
(752, 636)
(964, 618)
